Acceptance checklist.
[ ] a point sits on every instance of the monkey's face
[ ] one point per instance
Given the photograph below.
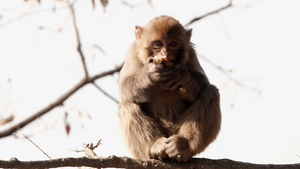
(164, 37)
(167, 44)
(168, 49)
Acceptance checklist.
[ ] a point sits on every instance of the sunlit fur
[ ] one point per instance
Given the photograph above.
(178, 122)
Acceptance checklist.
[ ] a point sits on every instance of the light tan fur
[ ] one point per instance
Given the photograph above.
(176, 122)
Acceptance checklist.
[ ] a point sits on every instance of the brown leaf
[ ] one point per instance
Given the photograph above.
(68, 128)
(104, 3)
(93, 2)
(7, 120)
(67, 125)
(79, 114)
(89, 116)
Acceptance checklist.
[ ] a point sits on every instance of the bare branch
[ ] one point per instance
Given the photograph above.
(88, 149)
(71, 6)
(125, 162)
(105, 93)
(37, 147)
(57, 102)
(225, 73)
(210, 13)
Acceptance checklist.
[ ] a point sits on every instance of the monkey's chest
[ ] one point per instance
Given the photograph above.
(166, 108)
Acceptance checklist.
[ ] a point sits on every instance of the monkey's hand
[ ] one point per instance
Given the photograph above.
(154, 71)
(175, 77)
(177, 148)
(158, 149)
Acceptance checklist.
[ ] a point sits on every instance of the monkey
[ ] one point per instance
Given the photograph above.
(168, 108)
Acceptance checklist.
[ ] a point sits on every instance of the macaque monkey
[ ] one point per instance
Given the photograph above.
(168, 108)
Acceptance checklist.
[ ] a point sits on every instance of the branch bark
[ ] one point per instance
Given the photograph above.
(126, 162)
(57, 102)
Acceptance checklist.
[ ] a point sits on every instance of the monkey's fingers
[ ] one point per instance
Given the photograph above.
(175, 86)
(171, 150)
(159, 156)
(170, 72)
(175, 83)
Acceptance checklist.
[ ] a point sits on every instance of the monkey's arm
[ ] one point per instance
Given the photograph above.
(141, 132)
(192, 84)
(194, 79)
(135, 82)
(201, 122)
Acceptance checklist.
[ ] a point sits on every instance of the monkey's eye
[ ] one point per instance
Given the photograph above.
(173, 44)
(157, 44)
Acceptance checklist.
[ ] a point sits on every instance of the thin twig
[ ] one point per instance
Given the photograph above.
(88, 149)
(37, 147)
(222, 70)
(71, 6)
(76, 151)
(105, 93)
(210, 13)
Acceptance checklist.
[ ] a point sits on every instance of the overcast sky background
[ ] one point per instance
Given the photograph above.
(256, 42)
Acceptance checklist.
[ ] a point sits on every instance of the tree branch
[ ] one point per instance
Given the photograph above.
(126, 162)
(79, 50)
(105, 93)
(228, 76)
(210, 13)
(87, 79)
(57, 102)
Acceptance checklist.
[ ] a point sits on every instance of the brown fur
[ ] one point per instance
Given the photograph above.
(178, 121)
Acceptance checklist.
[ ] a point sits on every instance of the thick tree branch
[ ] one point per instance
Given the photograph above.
(125, 162)
(210, 13)
(57, 102)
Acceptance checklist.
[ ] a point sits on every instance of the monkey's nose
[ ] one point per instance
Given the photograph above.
(164, 54)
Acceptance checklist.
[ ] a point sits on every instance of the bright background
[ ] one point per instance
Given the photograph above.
(256, 43)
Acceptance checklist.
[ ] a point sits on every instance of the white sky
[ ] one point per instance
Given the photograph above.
(260, 44)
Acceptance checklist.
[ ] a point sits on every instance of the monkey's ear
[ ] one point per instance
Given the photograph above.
(189, 34)
(138, 32)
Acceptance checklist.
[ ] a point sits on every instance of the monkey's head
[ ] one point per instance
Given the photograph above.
(164, 37)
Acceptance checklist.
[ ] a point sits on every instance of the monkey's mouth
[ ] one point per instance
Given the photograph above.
(163, 59)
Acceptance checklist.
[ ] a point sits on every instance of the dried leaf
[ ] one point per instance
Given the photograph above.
(67, 125)
(89, 116)
(41, 28)
(79, 114)
(93, 2)
(7, 120)
(104, 3)
(68, 128)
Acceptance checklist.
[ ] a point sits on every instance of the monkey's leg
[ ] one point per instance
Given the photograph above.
(141, 132)
(201, 122)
